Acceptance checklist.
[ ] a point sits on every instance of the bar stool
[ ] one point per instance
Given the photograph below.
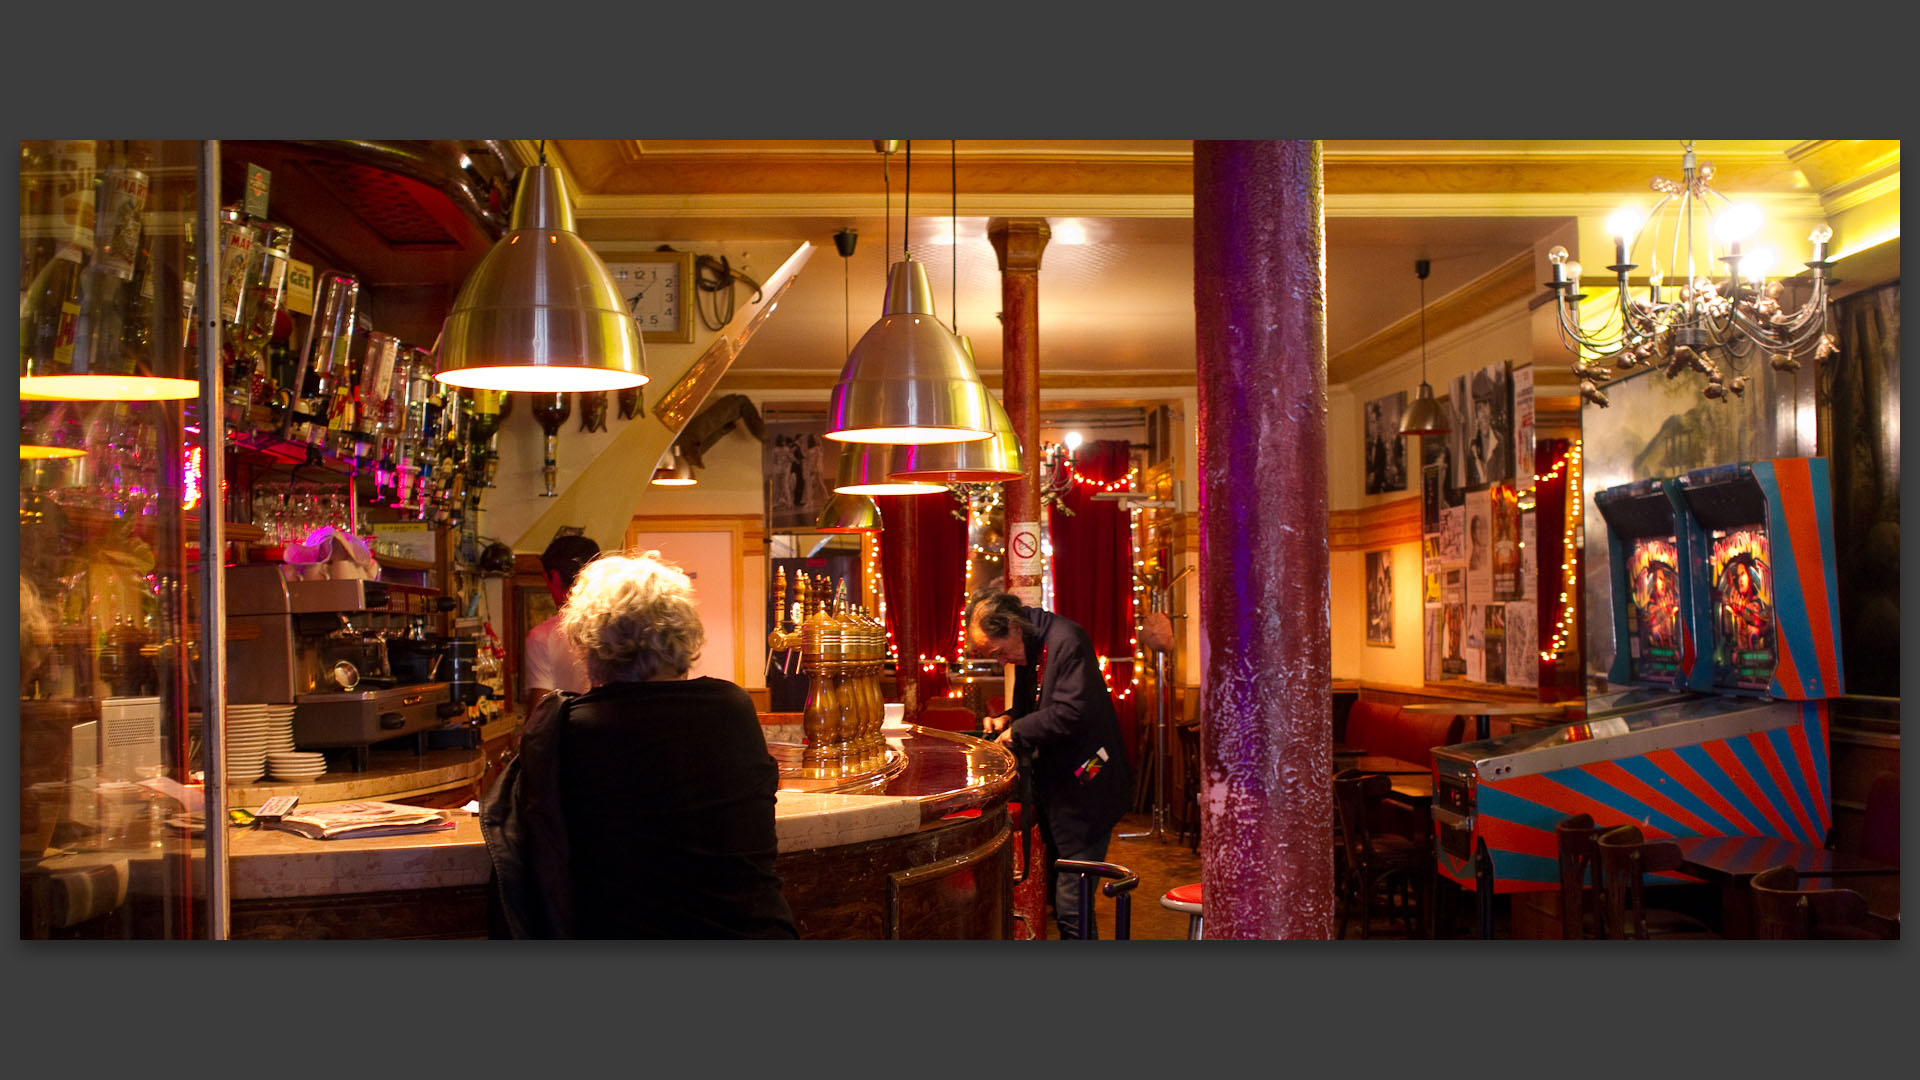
(1186, 898)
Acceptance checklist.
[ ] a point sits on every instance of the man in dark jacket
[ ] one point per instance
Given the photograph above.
(1060, 721)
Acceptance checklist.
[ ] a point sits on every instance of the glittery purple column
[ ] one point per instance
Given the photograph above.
(1266, 713)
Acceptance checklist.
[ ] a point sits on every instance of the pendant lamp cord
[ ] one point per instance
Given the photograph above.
(953, 218)
(906, 204)
(1421, 270)
(543, 153)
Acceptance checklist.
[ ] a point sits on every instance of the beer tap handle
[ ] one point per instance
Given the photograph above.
(779, 596)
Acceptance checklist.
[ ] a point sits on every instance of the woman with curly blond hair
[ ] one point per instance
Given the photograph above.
(642, 808)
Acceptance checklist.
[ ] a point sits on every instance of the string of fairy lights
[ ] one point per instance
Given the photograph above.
(1565, 619)
(982, 498)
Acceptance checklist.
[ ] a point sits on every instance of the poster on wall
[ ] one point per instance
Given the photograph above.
(800, 463)
(1386, 456)
(1430, 503)
(1435, 624)
(1380, 598)
(1481, 440)
(1523, 428)
(1453, 656)
(1476, 649)
(1453, 528)
(1430, 569)
(1479, 538)
(1529, 559)
(1523, 646)
(1504, 507)
(1494, 644)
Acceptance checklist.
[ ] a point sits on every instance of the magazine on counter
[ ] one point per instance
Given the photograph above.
(341, 820)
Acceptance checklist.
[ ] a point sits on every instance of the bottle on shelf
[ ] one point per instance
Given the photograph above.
(58, 238)
(121, 198)
(250, 340)
(551, 410)
(324, 365)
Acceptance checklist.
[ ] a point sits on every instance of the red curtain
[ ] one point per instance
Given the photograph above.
(1093, 568)
(923, 561)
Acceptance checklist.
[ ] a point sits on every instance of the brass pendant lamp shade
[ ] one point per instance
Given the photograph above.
(1424, 416)
(849, 514)
(982, 461)
(674, 470)
(541, 311)
(867, 468)
(907, 379)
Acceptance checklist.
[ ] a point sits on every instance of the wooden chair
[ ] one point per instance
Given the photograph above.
(1388, 856)
(1580, 913)
(1626, 858)
(1782, 909)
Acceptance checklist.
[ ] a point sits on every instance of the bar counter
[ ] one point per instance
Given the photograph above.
(927, 856)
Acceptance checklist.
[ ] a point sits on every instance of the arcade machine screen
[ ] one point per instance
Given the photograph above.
(1744, 652)
(1654, 617)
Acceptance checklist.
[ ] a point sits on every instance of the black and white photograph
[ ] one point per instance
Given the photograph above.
(1380, 598)
(800, 463)
(1386, 448)
(1480, 409)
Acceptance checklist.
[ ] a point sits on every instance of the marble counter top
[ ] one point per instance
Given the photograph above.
(269, 863)
(946, 773)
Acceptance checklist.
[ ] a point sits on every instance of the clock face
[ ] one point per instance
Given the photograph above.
(655, 291)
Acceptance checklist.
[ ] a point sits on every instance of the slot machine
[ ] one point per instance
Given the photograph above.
(1726, 624)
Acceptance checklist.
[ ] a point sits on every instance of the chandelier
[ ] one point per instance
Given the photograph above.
(1704, 323)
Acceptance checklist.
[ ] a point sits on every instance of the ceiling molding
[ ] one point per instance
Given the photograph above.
(1050, 381)
(1510, 282)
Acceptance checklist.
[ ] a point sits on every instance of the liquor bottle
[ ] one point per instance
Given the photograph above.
(593, 410)
(486, 411)
(261, 310)
(551, 410)
(343, 407)
(373, 394)
(328, 338)
(238, 240)
(121, 198)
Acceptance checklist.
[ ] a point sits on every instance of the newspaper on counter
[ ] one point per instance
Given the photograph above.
(344, 820)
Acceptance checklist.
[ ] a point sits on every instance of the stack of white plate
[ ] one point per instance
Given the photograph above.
(296, 764)
(253, 731)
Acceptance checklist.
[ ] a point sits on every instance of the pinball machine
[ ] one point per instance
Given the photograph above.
(1726, 628)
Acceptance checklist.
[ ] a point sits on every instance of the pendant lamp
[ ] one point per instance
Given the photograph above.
(907, 379)
(674, 470)
(983, 461)
(1424, 416)
(541, 311)
(849, 514)
(866, 468)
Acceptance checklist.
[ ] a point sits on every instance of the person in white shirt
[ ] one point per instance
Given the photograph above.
(549, 663)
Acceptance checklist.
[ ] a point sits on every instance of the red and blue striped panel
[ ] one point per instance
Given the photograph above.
(1806, 600)
(1762, 784)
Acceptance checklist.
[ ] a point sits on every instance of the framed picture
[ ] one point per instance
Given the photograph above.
(800, 464)
(1380, 598)
(1386, 451)
(1480, 411)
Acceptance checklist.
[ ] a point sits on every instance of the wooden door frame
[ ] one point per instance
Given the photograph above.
(741, 530)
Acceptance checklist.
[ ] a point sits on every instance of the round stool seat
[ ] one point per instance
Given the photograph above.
(1186, 898)
(1183, 898)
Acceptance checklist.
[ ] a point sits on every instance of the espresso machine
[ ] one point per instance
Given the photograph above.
(323, 647)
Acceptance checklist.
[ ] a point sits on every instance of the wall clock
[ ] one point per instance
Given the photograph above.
(658, 287)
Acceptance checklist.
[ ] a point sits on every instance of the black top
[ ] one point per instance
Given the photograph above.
(1063, 720)
(668, 796)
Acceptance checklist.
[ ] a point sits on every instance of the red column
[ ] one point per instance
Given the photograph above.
(1266, 735)
(1018, 242)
